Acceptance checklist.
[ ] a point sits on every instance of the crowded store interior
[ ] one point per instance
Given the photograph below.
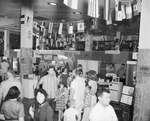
(71, 60)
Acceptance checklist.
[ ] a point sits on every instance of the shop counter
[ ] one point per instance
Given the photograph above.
(29, 86)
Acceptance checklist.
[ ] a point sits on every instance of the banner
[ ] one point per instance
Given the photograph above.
(109, 21)
(70, 28)
(71, 3)
(123, 11)
(118, 12)
(60, 28)
(42, 27)
(106, 9)
(93, 8)
(80, 27)
(50, 29)
(128, 10)
(93, 24)
(139, 5)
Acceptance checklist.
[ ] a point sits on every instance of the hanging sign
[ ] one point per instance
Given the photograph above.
(112, 51)
(51, 52)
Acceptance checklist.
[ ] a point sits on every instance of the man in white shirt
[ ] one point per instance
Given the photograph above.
(78, 90)
(4, 68)
(78, 67)
(49, 84)
(103, 111)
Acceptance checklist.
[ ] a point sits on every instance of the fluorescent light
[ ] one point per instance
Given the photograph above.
(17, 50)
(63, 20)
(52, 3)
(77, 13)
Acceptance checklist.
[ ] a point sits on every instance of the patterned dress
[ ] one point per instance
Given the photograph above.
(61, 101)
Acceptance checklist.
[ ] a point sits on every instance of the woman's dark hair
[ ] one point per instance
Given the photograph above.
(61, 83)
(42, 91)
(78, 72)
(101, 91)
(51, 66)
(12, 93)
(63, 69)
(92, 75)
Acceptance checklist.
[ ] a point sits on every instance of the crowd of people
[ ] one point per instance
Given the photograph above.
(75, 97)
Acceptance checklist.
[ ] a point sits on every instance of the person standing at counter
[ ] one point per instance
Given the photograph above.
(49, 84)
(121, 73)
(110, 68)
(6, 85)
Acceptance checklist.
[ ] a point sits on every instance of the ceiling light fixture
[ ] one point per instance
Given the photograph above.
(63, 20)
(77, 13)
(115, 24)
(52, 3)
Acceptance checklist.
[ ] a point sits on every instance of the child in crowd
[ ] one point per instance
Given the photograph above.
(89, 102)
(71, 114)
(61, 99)
(40, 110)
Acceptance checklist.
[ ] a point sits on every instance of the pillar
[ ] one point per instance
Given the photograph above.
(26, 37)
(142, 87)
(6, 43)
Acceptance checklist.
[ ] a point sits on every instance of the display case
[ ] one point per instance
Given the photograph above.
(29, 85)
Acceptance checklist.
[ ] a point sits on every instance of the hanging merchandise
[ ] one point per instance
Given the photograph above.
(80, 27)
(93, 8)
(123, 11)
(128, 10)
(106, 9)
(60, 28)
(93, 24)
(44, 32)
(50, 29)
(139, 5)
(71, 3)
(136, 7)
(42, 27)
(70, 28)
(118, 12)
(35, 24)
(109, 21)
(51, 41)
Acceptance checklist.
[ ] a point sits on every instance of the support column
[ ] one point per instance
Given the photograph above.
(26, 37)
(6, 43)
(142, 87)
